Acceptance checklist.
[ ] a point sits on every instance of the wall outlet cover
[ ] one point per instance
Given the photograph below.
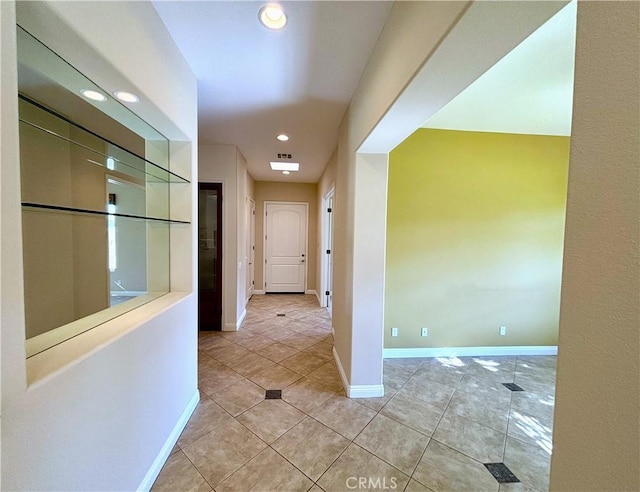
(394, 332)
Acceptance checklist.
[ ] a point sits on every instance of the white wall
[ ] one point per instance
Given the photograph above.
(596, 441)
(97, 412)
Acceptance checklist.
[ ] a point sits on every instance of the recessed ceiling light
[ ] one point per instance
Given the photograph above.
(286, 172)
(272, 16)
(126, 96)
(285, 166)
(94, 95)
(283, 137)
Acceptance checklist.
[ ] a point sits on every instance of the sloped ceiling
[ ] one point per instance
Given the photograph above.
(529, 91)
(254, 83)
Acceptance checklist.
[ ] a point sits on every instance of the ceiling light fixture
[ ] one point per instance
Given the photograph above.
(286, 172)
(125, 96)
(283, 137)
(93, 95)
(272, 17)
(285, 166)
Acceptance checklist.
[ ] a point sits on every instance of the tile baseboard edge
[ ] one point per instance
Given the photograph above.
(153, 472)
(357, 390)
(404, 353)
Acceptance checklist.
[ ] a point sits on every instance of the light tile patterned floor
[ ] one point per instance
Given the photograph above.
(438, 423)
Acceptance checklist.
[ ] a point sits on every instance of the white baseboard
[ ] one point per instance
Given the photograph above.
(318, 297)
(366, 391)
(333, 331)
(241, 319)
(311, 292)
(163, 455)
(258, 292)
(402, 353)
(230, 327)
(357, 390)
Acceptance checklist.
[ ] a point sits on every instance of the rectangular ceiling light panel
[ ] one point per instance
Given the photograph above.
(285, 166)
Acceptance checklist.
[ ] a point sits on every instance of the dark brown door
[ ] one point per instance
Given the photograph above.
(210, 256)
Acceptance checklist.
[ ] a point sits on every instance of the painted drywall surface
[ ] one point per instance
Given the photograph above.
(217, 164)
(475, 231)
(369, 266)
(413, 29)
(286, 192)
(93, 423)
(595, 434)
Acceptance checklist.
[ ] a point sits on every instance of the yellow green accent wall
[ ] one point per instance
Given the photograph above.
(475, 228)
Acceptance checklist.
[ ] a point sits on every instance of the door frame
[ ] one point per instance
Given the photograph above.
(251, 247)
(324, 246)
(218, 186)
(264, 240)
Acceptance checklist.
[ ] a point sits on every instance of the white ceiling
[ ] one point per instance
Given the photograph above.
(529, 91)
(255, 83)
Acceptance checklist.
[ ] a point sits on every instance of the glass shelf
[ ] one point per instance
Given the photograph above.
(83, 268)
(96, 190)
(67, 168)
(54, 208)
(119, 159)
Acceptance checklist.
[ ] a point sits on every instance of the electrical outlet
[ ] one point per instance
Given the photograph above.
(394, 332)
(425, 331)
(503, 331)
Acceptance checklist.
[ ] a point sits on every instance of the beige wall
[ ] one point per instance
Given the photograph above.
(287, 192)
(413, 30)
(98, 387)
(475, 228)
(596, 427)
(217, 164)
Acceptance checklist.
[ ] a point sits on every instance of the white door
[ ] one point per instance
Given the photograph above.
(285, 247)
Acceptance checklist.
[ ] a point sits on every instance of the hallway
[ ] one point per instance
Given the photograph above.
(439, 422)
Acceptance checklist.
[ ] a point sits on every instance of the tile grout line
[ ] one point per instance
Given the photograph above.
(376, 412)
(436, 426)
(506, 438)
